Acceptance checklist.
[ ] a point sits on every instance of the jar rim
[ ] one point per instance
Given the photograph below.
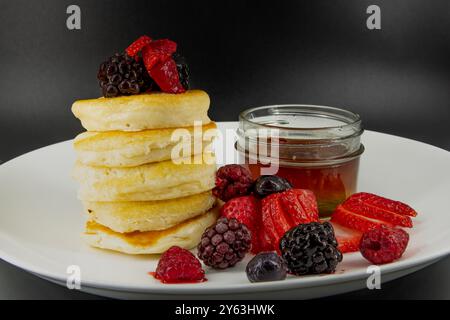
(349, 118)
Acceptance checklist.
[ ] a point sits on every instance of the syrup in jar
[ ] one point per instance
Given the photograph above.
(313, 147)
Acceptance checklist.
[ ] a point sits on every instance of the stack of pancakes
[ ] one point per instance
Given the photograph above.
(141, 190)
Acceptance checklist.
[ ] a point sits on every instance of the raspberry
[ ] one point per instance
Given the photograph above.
(134, 48)
(178, 265)
(232, 181)
(383, 244)
(224, 244)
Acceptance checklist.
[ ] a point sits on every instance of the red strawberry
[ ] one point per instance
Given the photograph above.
(281, 220)
(354, 221)
(246, 210)
(265, 243)
(285, 210)
(166, 76)
(385, 205)
(348, 239)
(367, 210)
(164, 47)
(267, 223)
(379, 208)
(300, 205)
(134, 48)
(158, 51)
(159, 63)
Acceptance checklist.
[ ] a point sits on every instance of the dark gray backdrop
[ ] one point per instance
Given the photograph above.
(243, 53)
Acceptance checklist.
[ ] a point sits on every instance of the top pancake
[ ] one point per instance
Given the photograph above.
(143, 111)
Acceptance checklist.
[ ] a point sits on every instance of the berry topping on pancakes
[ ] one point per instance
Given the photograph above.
(146, 65)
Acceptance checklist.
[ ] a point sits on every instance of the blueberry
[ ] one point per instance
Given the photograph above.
(266, 185)
(266, 266)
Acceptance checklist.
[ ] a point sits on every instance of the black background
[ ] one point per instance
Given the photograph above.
(243, 53)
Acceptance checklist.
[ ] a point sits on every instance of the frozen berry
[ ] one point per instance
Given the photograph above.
(310, 248)
(224, 244)
(179, 265)
(383, 244)
(232, 181)
(266, 266)
(246, 210)
(122, 75)
(266, 185)
(285, 210)
(161, 66)
(183, 69)
(134, 48)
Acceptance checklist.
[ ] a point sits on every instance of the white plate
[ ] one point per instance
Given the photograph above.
(41, 220)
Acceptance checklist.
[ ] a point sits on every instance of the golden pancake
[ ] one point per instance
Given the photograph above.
(186, 235)
(149, 182)
(129, 149)
(143, 111)
(148, 215)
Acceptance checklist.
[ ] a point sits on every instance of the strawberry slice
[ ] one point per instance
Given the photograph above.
(281, 220)
(351, 220)
(158, 61)
(134, 48)
(348, 239)
(166, 77)
(367, 210)
(300, 205)
(246, 210)
(268, 224)
(158, 52)
(385, 205)
(264, 242)
(285, 210)
(163, 46)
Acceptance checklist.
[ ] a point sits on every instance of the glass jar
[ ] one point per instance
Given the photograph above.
(314, 147)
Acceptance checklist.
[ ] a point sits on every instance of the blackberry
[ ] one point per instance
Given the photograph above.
(266, 185)
(183, 69)
(122, 75)
(310, 248)
(224, 244)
